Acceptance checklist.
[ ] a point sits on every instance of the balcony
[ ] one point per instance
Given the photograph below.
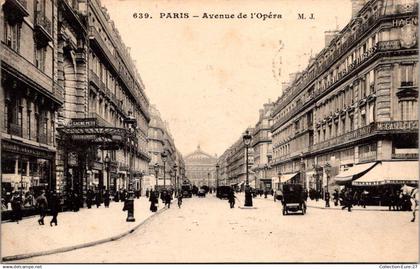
(15, 10)
(42, 138)
(367, 131)
(407, 91)
(43, 30)
(380, 47)
(15, 129)
(96, 81)
(16, 65)
(99, 44)
(367, 156)
(98, 119)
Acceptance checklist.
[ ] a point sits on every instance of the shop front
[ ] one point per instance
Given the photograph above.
(25, 169)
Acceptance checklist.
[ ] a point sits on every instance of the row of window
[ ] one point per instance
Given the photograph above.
(29, 120)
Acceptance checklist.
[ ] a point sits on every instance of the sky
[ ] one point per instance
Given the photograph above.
(210, 77)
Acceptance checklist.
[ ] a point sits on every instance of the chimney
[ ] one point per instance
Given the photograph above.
(329, 36)
(284, 86)
(261, 113)
(356, 6)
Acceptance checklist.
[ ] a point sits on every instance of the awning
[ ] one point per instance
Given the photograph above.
(353, 173)
(398, 172)
(287, 177)
(241, 183)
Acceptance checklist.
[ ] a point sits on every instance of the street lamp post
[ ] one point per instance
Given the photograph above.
(129, 202)
(141, 174)
(164, 155)
(327, 169)
(171, 175)
(208, 179)
(248, 196)
(107, 162)
(176, 184)
(217, 180)
(302, 171)
(156, 167)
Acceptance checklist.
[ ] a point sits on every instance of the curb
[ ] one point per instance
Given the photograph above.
(353, 209)
(83, 245)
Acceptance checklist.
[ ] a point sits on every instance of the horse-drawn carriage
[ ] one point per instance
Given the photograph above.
(293, 199)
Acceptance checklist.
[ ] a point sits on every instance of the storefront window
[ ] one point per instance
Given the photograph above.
(8, 165)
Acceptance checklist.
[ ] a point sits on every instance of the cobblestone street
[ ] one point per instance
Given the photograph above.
(207, 230)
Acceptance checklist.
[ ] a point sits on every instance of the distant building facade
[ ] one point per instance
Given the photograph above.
(103, 122)
(262, 148)
(355, 107)
(200, 168)
(29, 96)
(160, 140)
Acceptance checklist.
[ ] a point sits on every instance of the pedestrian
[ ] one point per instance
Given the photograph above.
(168, 199)
(55, 205)
(305, 195)
(107, 198)
(75, 200)
(122, 195)
(179, 199)
(147, 193)
(29, 200)
(117, 196)
(363, 198)
(163, 196)
(89, 198)
(391, 201)
(42, 205)
(16, 203)
(265, 193)
(348, 200)
(335, 197)
(356, 198)
(153, 201)
(231, 198)
(327, 199)
(398, 200)
(98, 198)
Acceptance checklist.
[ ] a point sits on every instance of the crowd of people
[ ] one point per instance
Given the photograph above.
(349, 197)
(42, 202)
(46, 202)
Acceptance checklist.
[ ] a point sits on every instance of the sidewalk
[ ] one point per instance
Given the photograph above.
(321, 205)
(75, 229)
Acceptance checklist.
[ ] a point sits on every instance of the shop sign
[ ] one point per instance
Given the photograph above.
(406, 21)
(83, 123)
(24, 150)
(83, 137)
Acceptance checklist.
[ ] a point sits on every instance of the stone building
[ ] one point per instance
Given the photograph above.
(262, 148)
(103, 123)
(236, 163)
(200, 168)
(29, 96)
(352, 114)
(160, 140)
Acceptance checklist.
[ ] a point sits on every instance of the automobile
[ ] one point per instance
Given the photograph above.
(201, 193)
(293, 200)
(223, 192)
(278, 194)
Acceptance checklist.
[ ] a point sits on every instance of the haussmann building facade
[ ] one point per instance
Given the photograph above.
(351, 117)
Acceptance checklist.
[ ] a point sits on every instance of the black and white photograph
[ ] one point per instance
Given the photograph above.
(220, 132)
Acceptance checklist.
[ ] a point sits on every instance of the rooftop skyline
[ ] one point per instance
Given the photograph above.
(201, 74)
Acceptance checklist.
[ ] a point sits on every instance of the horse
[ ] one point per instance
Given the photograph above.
(414, 194)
